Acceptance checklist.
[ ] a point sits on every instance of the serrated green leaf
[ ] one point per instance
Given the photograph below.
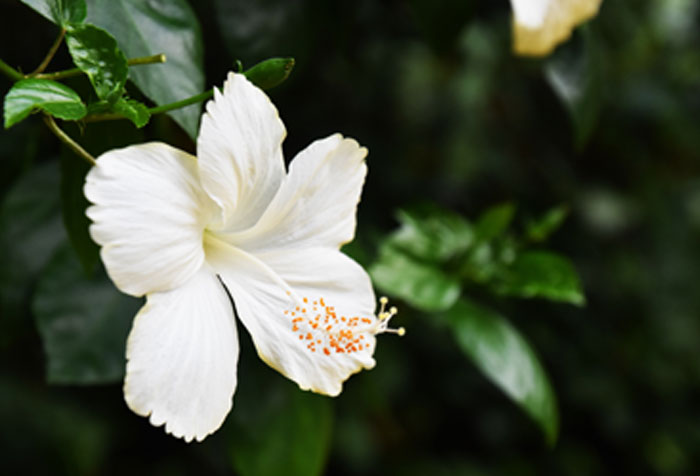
(270, 73)
(28, 95)
(30, 231)
(61, 12)
(97, 54)
(506, 358)
(73, 206)
(137, 112)
(540, 229)
(83, 322)
(435, 235)
(494, 221)
(541, 274)
(149, 28)
(283, 431)
(423, 285)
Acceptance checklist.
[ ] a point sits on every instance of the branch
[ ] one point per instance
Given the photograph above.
(49, 56)
(10, 72)
(160, 58)
(154, 110)
(185, 102)
(65, 138)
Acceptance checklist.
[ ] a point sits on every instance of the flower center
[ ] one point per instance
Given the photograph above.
(322, 329)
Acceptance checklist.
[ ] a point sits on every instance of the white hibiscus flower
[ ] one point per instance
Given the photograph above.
(540, 25)
(188, 232)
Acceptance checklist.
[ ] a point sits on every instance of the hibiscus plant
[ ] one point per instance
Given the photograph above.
(231, 234)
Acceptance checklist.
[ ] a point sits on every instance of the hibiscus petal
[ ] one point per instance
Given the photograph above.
(310, 313)
(540, 25)
(149, 214)
(317, 202)
(182, 354)
(240, 151)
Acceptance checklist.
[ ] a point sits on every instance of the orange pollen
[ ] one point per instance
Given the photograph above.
(329, 329)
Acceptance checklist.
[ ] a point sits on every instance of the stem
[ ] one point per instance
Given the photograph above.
(160, 58)
(65, 138)
(154, 110)
(10, 72)
(49, 56)
(185, 102)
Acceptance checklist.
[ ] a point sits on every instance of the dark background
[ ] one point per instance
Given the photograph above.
(449, 116)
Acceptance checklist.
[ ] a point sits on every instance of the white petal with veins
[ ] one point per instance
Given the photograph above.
(317, 201)
(182, 354)
(240, 151)
(311, 318)
(148, 215)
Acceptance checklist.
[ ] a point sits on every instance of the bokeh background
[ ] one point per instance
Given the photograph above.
(607, 125)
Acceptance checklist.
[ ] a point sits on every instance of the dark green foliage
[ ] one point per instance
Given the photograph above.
(150, 28)
(505, 357)
(285, 431)
(135, 111)
(541, 274)
(435, 254)
(96, 53)
(607, 125)
(83, 322)
(73, 206)
(30, 95)
(61, 12)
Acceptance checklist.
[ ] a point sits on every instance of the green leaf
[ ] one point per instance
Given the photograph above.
(506, 358)
(137, 112)
(541, 274)
(494, 221)
(73, 206)
(270, 73)
(83, 322)
(281, 430)
(423, 285)
(435, 235)
(30, 231)
(575, 74)
(97, 54)
(61, 12)
(28, 95)
(539, 230)
(149, 28)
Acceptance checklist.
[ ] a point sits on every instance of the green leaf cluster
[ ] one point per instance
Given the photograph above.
(99, 48)
(96, 53)
(436, 257)
(436, 253)
(29, 95)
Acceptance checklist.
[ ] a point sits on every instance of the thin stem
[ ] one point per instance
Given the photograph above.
(160, 58)
(49, 56)
(10, 72)
(185, 102)
(154, 110)
(65, 138)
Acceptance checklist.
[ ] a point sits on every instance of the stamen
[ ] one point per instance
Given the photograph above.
(335, 333)
(384, 316)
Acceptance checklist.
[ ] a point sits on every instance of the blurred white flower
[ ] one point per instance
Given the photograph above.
(190, 232)
(540, 25)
